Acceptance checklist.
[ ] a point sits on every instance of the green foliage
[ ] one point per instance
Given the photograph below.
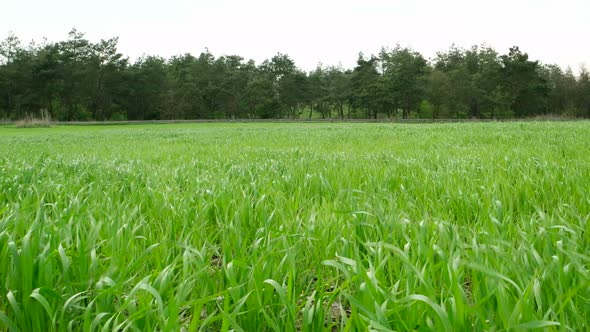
(78, 79)
(453, 227)
(526, 88)
(426, 110)
(405, 70)
(368, 87)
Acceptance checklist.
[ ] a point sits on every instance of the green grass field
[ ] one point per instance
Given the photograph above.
(296, 227)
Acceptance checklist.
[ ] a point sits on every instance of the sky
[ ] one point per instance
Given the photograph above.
(331, 32)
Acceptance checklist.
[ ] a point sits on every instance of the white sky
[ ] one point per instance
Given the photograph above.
(328, 31)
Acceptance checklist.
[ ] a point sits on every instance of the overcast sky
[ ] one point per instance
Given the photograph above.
(311, 31)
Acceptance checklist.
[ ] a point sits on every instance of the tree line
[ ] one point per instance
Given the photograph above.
(77, 79)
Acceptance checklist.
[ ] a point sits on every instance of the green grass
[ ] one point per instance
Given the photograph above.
(288, 227)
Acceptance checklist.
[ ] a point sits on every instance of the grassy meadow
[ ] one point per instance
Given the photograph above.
(296, 227)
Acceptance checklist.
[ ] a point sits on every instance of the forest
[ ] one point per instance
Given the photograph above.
(78, 80)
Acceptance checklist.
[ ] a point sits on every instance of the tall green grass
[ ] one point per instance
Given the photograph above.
(296, 227)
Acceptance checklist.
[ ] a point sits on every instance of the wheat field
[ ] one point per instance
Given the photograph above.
(296, 227)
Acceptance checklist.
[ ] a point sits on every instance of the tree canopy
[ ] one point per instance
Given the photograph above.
(78, 79)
